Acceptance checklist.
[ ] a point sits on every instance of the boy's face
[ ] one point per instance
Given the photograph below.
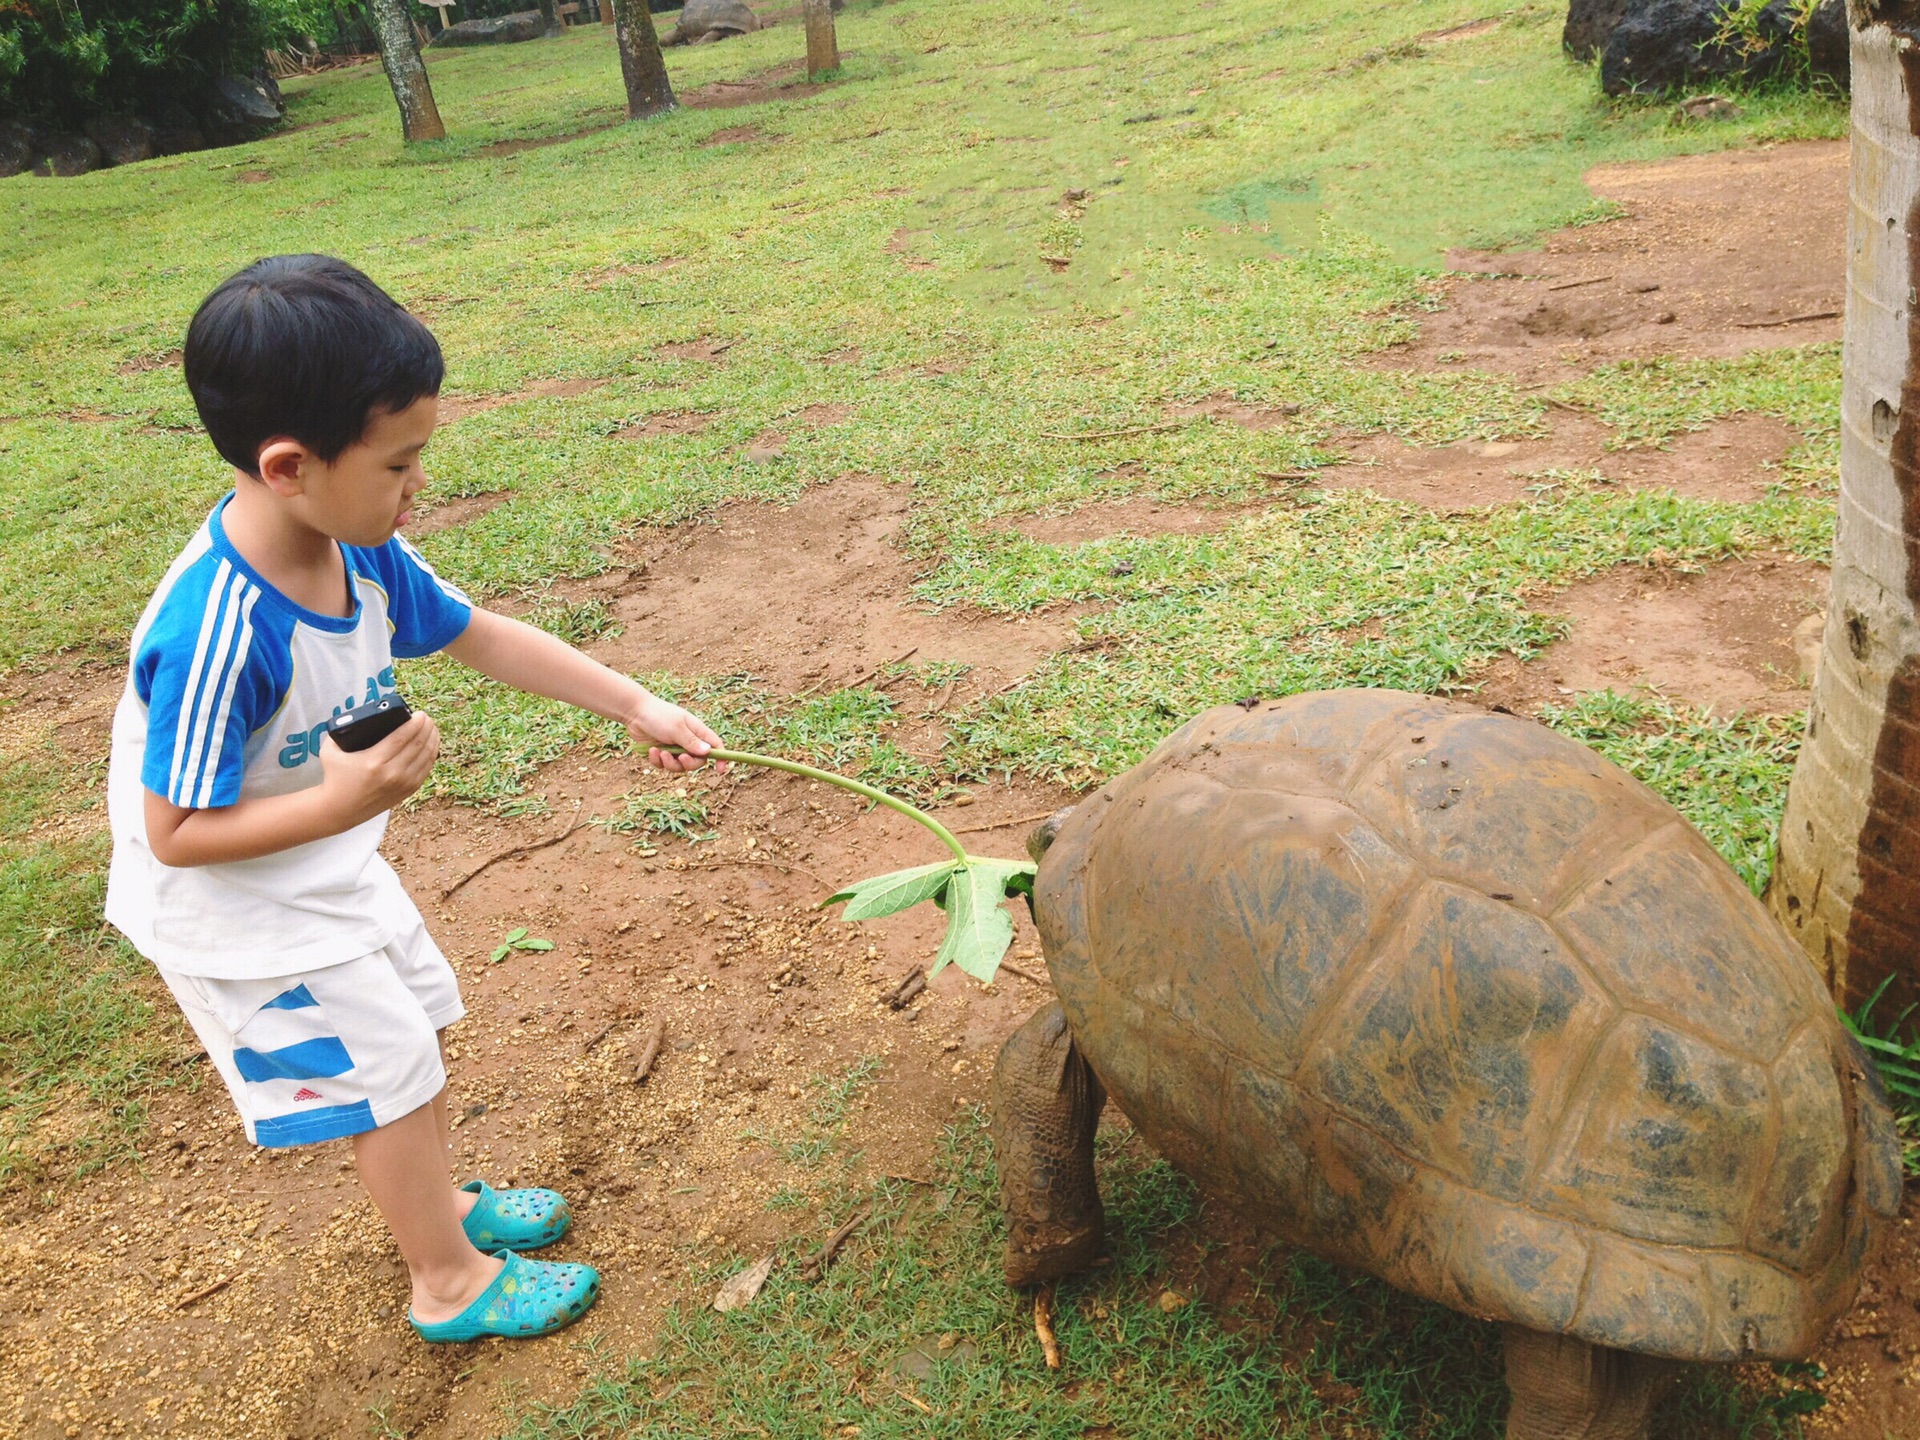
(366, 493)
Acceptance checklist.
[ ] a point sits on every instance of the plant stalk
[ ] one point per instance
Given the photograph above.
(879, 797)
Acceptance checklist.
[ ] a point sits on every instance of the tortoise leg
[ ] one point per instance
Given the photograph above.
(1046, 1103)
(1566, 1389)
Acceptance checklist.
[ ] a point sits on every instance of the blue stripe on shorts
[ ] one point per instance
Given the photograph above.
(309, 1060)
(298, 998)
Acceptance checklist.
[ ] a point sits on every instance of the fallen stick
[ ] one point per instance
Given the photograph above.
(1292, 477)
(527, 849)
(1043, 1326)
(1790, 320)
(1576, 284)
(1013, 969)
(1112, 434)
(205, 1290)
(817, 1264)
(651, 1053)
(914, 1400)
(911, 984)
(864, 675)
(1000, 824)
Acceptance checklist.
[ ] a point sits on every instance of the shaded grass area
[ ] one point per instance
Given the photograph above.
(1197, 1329)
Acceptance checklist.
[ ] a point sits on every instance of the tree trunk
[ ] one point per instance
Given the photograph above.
(642, 66)
(550, 16)
(823, 46)
(1848, 879)
(400, 55)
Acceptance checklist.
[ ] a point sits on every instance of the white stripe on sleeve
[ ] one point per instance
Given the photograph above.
(217, 736)
(183, 721)
(218, 658)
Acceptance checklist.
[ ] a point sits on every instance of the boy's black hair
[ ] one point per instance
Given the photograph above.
(307, 347)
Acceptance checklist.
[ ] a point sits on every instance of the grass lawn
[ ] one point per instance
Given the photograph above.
(1010, 238)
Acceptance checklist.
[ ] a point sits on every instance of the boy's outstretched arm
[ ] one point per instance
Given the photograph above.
(530, 659)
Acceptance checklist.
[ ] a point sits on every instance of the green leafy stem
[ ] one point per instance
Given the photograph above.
(970, 888)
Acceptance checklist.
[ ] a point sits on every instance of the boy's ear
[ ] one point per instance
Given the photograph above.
(282, 466)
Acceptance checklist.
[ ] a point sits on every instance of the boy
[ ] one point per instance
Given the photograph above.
(246, 858)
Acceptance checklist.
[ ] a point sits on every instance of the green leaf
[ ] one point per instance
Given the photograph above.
(978, 929)
(515, 936)
(533, 945)
(499, 955)
(886, 894)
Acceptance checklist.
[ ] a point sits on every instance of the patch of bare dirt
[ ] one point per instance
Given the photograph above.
(1872, 1357)
(1225, 407)
(705, 348)
(451, 514)
(1717, 255)
(454, 408)
(597, 278)
(500, 148)
(1140, 516)
(1722, 637)
(845, 355)
(679, 422)
(738, 135)
(141, 364)
(783, 82)
(823, 416)
(812, 593)
(1727, 461)
(901, 243)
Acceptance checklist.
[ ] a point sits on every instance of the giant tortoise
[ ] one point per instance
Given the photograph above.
(1440, 994)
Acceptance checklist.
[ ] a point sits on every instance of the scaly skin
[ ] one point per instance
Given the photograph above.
(1046, 1103)
(1566, 1389)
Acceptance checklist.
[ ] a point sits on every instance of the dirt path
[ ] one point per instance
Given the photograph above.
(225, 1291)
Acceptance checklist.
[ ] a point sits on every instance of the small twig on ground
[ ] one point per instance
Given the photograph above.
(911, 984)
(908, 1179)
(914, 1400)
(818, 1262)
(1113, 434)
(1576, 284)
(651, 1053)
(940, 700)
(205, 1290)
(527, 849)
(864, 675)
(1790, 320)
(1292, 477)
(999, 824)
(1013, 969)
(605, 1030)
(1043, 1326)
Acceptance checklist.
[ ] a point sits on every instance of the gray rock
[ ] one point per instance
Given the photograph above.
(1589, 23)
(1664, 45)
(16, 148)
(175, 131)
(1829, 44)
(66, 154)
(497, 30)
(706, 20)
(239, 107)
(123, 139)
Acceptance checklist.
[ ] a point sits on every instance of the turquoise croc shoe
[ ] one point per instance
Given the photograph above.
(514, 1219)
(527, 1298)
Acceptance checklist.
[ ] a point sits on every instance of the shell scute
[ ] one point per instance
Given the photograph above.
(1796, 1220)
(1466, 1026)
(1669, 1140)
(1667, 897)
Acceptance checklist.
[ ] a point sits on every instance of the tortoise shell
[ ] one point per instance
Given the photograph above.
(1446, 996)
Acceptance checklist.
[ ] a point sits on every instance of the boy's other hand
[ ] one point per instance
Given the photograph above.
(659, 723)
(368, 782)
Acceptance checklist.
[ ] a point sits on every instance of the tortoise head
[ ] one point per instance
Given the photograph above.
(1043, 835)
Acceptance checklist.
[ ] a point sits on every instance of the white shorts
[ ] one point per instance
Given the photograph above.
(330, 1052)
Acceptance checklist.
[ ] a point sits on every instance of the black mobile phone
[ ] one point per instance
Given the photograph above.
(369, 724)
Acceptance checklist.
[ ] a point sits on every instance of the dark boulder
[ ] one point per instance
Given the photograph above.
(175, 131)
(122, 139)
(497, 30)
(1589, 23)
(65, 154)
(239, 107)
(16, 148)
(1829, 44)
(1662, 45)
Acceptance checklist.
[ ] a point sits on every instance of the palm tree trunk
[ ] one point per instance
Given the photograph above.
(823, 46)
(1848, 879)
(400, 56)
(642, 66)
(550, 16)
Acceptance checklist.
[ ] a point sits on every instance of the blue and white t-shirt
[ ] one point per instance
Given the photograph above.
(230, 690)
